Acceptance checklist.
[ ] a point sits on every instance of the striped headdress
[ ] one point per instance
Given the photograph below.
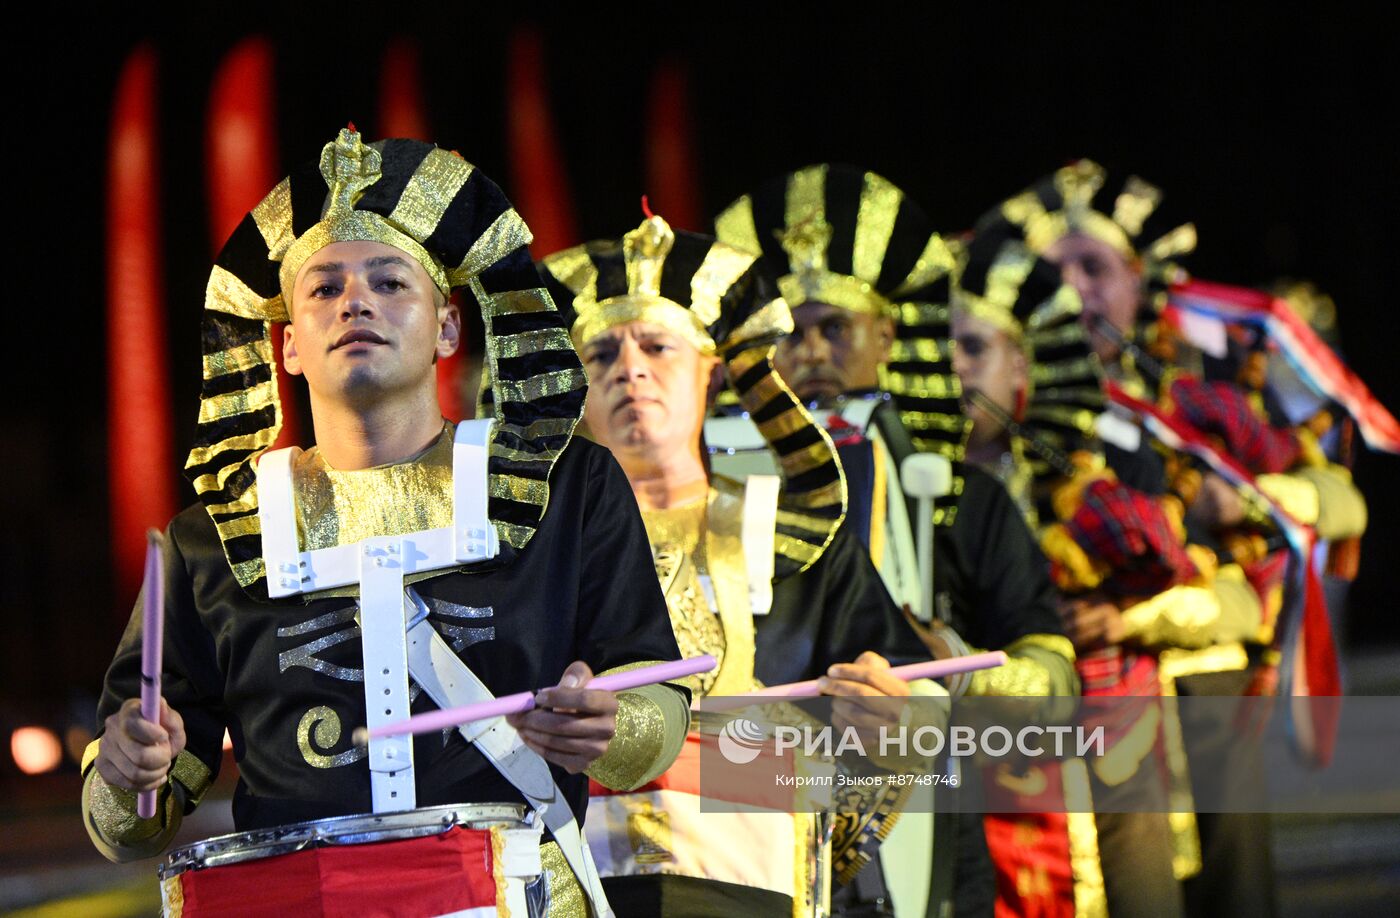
(719, 299)
(1005, 284)
(438, 208)
(1127, 214)
(851, 238)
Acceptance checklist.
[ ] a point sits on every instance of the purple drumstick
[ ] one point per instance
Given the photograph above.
(932, 669)
(152, 635)
(524, 701)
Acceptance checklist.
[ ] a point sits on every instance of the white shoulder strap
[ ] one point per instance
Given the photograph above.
(758, 535)
(385, 649)
(278, 522)
(473, 536)
(470, 538)
(924, 477)
(1118, 430)
(899, 564)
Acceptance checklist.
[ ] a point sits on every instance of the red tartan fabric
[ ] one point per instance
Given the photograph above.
(1116, 671)
(1130, 532)
(1219, 409)
(1313, 666)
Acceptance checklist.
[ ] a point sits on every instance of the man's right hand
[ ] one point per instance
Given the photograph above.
(1218, 505)
(136, 754)
(1091, 622)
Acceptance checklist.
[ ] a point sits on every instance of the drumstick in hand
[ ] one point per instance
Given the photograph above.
(524, 701)
(932, 669)
(152, 628)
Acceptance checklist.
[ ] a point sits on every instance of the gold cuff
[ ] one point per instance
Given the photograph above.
(641, 732)
(1183, 616)
(110, 812)
(192, 775)
(1026, 674)
(116, 830)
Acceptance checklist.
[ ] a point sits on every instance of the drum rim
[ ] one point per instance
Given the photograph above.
(259, 844)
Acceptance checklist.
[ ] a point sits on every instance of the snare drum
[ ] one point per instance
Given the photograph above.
(467, 859)
(741, 831)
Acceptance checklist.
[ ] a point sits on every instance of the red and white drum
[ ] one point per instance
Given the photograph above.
(469, 860)
(755, 836)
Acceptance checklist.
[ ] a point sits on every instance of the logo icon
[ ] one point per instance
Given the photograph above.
(741, 741)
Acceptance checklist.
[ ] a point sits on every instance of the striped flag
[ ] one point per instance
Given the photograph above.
(1315, 362)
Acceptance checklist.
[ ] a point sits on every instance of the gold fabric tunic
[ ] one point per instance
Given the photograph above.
(699, 560)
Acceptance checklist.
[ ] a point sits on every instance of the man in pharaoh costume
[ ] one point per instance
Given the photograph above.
(1033, 391)
(759, 573)
(404, 562)
(1121, 251)
(866, 275)
(1118, 248)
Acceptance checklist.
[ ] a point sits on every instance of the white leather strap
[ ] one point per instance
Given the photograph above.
(327, 568)
(1118, 430)
(520, 862)
(733, 434)
(386, 672)
(447, 679)
(470, 538)
(758, 532)
(925, 476)
(474, 538)
(278, 522)
(900, 566)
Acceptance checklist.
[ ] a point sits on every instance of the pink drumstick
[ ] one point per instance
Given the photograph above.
(932, 669)
(524, 701)
(152, 628)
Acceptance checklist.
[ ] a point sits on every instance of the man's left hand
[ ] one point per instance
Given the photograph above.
(571, 725)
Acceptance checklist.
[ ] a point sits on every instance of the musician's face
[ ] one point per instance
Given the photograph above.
(1109, 284)
(832, 351)
(647, 392)
(987, 360)
(367, 324)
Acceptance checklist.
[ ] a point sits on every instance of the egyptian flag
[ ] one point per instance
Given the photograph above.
(1316, 363)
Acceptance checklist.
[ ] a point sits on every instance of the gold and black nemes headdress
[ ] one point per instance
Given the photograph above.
(1128, 215)
(455, 222)
(1007, 285)
(847, 237)
(724, 301)
(850, 238)
(711, 294)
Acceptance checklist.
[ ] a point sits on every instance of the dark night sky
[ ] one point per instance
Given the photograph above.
(1267, 132)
